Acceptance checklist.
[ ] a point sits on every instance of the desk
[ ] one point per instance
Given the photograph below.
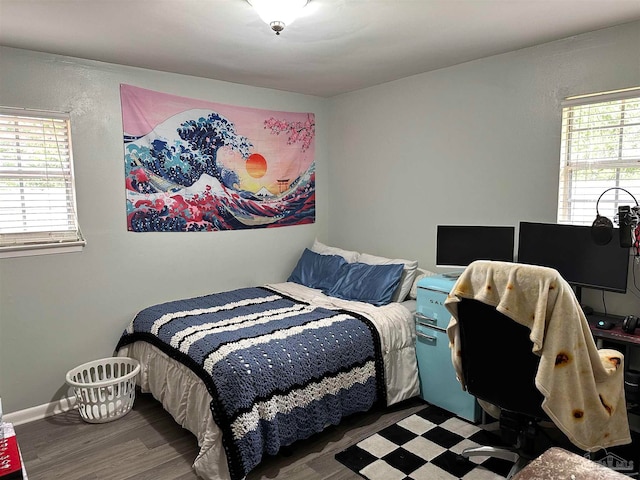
(559, 464)
(615, 334)
(627, 341)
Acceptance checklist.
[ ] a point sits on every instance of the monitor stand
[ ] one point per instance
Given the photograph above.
(586, 309)
(578, 290)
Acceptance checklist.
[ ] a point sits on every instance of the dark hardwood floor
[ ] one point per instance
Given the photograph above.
(147, 444)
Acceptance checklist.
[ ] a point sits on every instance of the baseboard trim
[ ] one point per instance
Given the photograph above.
(40, 411)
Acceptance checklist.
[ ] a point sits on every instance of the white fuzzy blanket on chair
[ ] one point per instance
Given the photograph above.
(583, 386)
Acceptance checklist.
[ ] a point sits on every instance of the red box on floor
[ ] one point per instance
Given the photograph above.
(10, 464)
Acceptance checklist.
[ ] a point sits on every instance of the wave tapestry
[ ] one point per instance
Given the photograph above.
(192, 165)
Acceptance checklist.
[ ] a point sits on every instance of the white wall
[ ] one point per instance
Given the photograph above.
(58, 311)
(477, 143)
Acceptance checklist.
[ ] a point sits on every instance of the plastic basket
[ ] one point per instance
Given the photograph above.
(105, 389)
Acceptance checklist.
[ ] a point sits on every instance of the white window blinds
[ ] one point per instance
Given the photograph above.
(37, 192)
(600, 149)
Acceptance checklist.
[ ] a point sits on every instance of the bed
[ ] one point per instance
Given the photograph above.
(254, 369)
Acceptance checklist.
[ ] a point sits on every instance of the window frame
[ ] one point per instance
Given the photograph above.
(38, 241)
(566, 185)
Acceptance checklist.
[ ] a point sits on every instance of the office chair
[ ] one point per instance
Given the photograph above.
(493, 355)
(499, 367)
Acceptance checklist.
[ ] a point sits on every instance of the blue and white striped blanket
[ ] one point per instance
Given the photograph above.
(278, 370)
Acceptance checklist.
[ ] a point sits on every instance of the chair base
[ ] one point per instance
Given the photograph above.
(519, 462)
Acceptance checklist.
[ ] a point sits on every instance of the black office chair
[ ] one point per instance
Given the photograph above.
(499, 367)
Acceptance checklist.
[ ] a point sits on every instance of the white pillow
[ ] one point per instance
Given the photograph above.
(322, 249)
(408, 273)
(420, 274)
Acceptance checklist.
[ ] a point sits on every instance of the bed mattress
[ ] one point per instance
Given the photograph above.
(184, 395)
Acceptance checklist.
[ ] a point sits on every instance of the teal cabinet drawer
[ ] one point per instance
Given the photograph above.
(431, 294)
(438, 383)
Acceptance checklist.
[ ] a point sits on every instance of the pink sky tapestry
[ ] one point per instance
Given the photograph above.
(193, 165)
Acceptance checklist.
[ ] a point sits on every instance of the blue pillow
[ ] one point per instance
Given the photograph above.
(317, 271)
(362, 282)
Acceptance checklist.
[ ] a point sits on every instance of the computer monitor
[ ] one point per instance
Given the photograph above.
(570, 249)
(459, 245)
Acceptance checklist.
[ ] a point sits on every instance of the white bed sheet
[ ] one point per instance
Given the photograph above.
(186, 398)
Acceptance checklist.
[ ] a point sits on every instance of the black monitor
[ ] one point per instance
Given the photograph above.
(570, 249)
(459, 245)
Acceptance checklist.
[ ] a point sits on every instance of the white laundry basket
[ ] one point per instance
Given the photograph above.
(105, 389)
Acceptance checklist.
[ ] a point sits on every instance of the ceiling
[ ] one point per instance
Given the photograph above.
(336, 47)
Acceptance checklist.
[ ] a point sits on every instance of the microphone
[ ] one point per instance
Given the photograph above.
(602, 230)
(625, 221)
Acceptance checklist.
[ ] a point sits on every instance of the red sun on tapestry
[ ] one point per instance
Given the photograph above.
(256, 165)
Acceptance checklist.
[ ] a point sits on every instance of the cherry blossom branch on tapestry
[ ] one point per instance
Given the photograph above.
(299, 132)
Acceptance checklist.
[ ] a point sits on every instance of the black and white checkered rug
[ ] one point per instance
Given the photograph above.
(425, 445)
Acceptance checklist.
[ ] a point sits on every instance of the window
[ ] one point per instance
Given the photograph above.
(37, 192)
(600, 149)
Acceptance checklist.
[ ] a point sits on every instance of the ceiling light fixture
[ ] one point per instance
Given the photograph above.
(278, 13)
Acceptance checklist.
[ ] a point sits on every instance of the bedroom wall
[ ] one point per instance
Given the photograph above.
(476, 143)
(57, 311)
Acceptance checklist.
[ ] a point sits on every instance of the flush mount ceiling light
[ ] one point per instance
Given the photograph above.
(278, 13)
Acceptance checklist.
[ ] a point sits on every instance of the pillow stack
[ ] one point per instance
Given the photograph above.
(354, 276)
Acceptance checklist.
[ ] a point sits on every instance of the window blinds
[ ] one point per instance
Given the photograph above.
(600, 148)
(37, 193)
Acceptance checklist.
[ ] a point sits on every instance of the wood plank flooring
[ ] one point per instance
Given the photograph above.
(147, 444)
